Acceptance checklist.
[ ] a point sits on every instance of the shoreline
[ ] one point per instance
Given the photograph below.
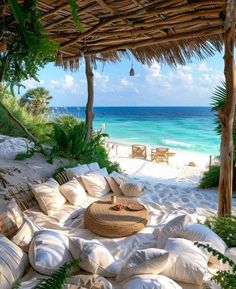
(122, 149)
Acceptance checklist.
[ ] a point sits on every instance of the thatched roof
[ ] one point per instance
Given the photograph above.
(168, 31)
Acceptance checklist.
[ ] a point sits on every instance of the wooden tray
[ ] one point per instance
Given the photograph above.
(135, 207)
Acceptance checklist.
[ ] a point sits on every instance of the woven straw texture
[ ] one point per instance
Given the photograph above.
(102, 220)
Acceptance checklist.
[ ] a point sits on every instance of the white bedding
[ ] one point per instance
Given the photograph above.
(69, 219)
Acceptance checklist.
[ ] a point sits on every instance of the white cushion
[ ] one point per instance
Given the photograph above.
(93, 167)
(132, 189)
(150, 282)
(231, 254)
(102, 172)
(73, 192)
(48, 196)
(170, 230)
(77, 171)
(119, 178)
(13, 263)
(48, 251)
(95, 184)
(146, 261)
(115, 188)
(187, 262)
(25, 234)
(95, 257)
(89, 281)
(11, 218)
(201, 233)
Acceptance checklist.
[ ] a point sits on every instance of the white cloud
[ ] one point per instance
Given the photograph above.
(53, 83)
(204, 68)
(32, 83)
(124, 81)
(101, 81)
(68, 81)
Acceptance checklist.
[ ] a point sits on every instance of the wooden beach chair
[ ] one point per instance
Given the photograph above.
(139, 151)
(160, 155)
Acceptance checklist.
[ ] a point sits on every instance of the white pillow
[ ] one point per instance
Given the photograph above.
(95, 184)
(146, 261)
(119, 178)
(93, 167)
(13, 263)
(95, 257)
(48, 251)
(170, 230)
(48, 196)
(201, 233)
(25, 234)
(89, 281)
(132, 189)
(231, 254)
(73, 192)
(77, 171)
(115, 188)
(150, 282)
(187, 263)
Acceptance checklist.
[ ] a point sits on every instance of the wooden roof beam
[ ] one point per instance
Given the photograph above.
(138, 12)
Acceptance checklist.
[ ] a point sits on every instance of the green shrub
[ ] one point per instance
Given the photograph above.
(36, 124)
(225, 227)
(227, 278)
(58, 279)
(68, 140)
(210, 178)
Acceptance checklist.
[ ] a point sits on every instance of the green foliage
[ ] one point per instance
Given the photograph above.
(69, 141)
(210, 178)
(58, 279)
(226, 279)
(37, 125)
(28, 48)
(225, 227)
(37, 100)
(74, 13)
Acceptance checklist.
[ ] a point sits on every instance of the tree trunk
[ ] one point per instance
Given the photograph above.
(227, 117)
(12, 117)
(89, 105)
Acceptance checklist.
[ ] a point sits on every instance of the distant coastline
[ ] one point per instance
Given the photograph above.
(189, 129)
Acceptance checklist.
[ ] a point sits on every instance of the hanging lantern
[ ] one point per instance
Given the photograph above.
(59, 59)
(3, 46)
(131, 72)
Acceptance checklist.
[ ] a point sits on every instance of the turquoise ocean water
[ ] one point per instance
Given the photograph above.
(179, 128)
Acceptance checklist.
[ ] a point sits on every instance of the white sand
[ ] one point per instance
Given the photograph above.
(176, 184)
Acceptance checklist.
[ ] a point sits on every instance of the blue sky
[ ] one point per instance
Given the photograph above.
(158, 85)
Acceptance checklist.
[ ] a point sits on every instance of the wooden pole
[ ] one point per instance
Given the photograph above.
(227, 115)
(89, 105)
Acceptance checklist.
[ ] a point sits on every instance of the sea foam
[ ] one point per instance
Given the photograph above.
(174, 143)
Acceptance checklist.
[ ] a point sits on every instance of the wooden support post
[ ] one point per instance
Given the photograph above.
(89, 105)
(227, 115)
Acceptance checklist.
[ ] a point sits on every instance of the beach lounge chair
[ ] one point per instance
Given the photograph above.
(139, 151)
(160, 155)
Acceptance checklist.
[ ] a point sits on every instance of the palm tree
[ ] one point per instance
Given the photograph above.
(37, 100)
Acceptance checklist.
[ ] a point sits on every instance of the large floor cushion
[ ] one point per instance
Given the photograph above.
(95, 257)
(25, 234)
(187, 262)
(150, 282)
(201, 233)
(13, 263)
(95, 184)
(146, 261)
(11, 218)
(48, 251)
(170, 230)
(48, 196)
(73, 191)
